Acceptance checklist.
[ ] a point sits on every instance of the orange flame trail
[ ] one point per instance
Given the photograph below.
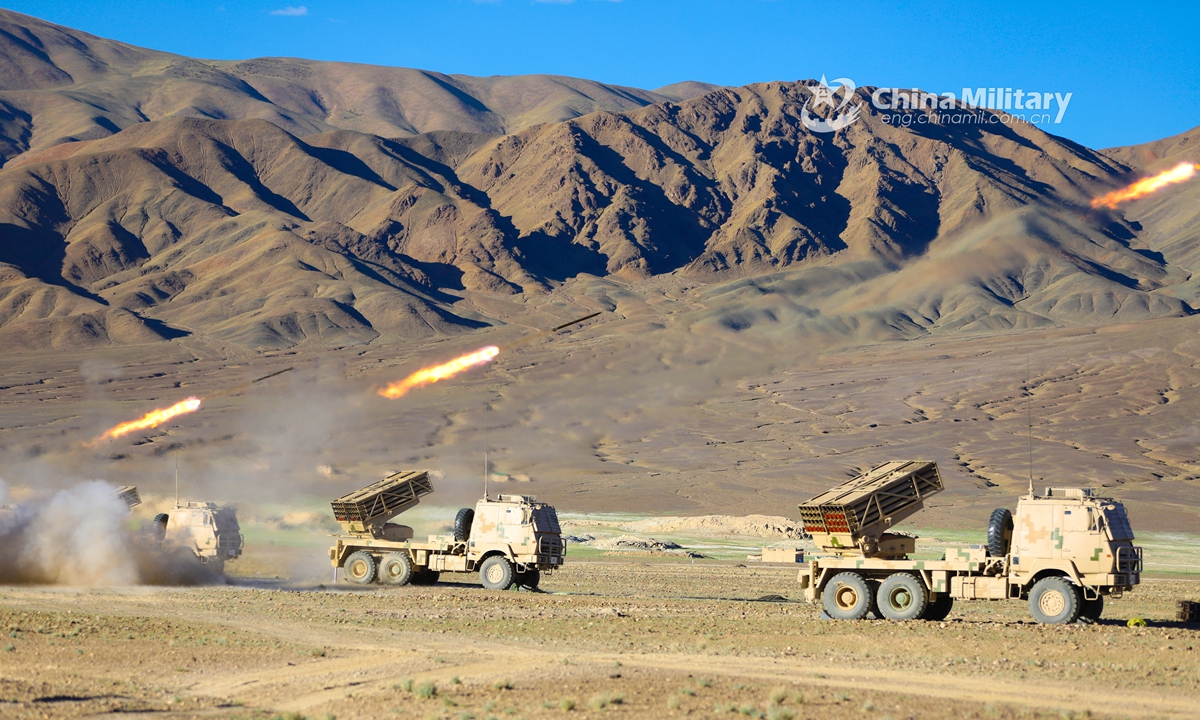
(153, 419)
(1145, 186)
(425, 376)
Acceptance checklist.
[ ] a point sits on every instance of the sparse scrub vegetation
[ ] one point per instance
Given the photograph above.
(426, 690)
(603, 700)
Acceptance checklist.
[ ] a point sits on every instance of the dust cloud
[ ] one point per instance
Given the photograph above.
(76, 536)
(80, 536)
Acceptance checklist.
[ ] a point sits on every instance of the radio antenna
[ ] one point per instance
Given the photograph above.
(1029, 421)
(176, 480)
(485, 458)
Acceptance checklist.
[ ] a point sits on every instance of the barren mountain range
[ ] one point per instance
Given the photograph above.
(279, 202)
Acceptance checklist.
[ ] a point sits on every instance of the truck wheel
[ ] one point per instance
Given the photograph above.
(497, 573)
(396, 569)
(462, 524)
(184, 567)
(902, 596)
(425, 577)
(529, 579)
(847, 597)
(940, 608)
(360, 568)
(1054, 601)
(1092, 609)
(999, 534)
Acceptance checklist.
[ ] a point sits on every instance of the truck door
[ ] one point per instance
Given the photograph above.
(489, 524)
(1082, 540)
(1033, 535)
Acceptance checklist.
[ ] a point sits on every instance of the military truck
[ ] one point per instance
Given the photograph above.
(201, 532)
(510, 541)
(1064, 551)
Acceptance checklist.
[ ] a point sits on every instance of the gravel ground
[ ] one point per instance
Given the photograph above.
(646, 639)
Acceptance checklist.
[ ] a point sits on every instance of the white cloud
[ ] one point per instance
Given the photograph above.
(291, 11)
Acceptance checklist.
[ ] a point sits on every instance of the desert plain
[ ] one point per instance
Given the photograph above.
(671, 437)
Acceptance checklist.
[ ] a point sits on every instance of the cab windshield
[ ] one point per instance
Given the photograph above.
(226, 520)
(1117, 522)
(545, 520)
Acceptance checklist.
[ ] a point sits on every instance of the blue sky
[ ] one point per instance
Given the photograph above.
(1132, 67)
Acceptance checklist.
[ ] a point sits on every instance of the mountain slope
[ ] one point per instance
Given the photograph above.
(59, 85)
(229, 226)
(273, 228)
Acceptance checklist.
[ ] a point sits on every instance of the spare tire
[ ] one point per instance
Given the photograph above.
(999, 533)
(462, 524)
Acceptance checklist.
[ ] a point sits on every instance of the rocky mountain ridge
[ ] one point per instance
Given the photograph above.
(268, 230)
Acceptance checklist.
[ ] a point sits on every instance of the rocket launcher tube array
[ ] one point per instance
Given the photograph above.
(867, 506)
(366, 511)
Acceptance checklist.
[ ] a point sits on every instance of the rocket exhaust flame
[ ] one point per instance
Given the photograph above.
(1145, 186)
(153, 419)
(428, 375)
(425, 376)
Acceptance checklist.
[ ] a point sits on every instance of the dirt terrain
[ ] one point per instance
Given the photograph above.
(622, 417)
(657, 639)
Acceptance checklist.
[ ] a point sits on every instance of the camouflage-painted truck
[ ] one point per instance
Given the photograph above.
(510, 541)
(191, 533)
(1064, 551)
(199, 532)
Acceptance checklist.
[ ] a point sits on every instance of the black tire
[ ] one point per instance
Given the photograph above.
(1054, 601)
(529, 579)
(462, 524)
(999, 533)
(902, 596)
(1092, 609)
(848, 596)
(360, 568)
(396, 569)
(497, 573)
(162, 518)
(939, 608)
(425, 577)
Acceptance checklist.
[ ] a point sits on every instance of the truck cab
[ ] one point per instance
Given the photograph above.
(1073, 533)
(519, 527)
(209, 532)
